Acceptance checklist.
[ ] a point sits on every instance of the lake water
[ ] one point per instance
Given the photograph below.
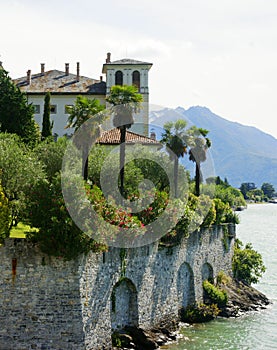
(257, 330)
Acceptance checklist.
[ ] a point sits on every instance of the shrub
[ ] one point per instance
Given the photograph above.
(247, 263)
(116, 341)
(222, 278)
(214, 294)
(199, 313)
(224, 213)
(210, 217)
(110, 212)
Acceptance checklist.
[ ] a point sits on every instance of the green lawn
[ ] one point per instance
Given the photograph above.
(20, 230)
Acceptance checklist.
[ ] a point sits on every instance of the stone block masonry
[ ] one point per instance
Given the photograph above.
(47, 303)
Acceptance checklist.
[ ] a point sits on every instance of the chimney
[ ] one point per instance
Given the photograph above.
(78, 71)
(29, 77)
(153, 135)
(108, 59)
(101, 78)
(42, 68)
(67, 69)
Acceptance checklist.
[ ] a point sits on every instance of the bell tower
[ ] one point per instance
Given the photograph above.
(131, 72)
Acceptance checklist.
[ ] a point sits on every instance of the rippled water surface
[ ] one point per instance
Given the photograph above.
(255, 331)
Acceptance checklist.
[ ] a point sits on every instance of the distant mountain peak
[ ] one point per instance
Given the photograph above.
(180, 109)
(241, 153)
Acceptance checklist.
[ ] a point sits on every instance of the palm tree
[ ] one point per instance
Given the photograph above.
(83, 110)
(197, 152)
(175, 138)
(125, 101)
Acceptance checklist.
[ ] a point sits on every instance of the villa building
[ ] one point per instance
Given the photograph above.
(65, 86)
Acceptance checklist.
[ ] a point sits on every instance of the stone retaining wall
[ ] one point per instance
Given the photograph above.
(47, 303)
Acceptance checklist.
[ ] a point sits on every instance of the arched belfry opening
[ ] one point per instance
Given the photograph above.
(185, 286)
(136, 79)
(124, 305)
(118, 78)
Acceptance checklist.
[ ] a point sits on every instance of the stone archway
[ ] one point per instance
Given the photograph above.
(124, 305)
(185, 286)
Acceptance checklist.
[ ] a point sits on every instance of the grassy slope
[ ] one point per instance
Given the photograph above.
(20, 230)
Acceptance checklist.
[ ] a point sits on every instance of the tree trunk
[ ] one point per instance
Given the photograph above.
(176, 177)
(197, 180)
(122, 157)
(85, 163)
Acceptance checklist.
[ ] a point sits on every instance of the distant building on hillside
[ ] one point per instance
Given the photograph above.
(65, 87)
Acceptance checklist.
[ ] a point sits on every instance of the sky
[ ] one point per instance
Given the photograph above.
(221, 54)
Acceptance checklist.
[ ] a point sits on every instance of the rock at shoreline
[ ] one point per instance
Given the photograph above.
(140, 339)
(242, 298)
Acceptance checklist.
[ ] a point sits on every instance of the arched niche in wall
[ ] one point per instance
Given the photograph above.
(136, 79)
(185, 286)
(207, 272)
(124, 305)
(118, 78)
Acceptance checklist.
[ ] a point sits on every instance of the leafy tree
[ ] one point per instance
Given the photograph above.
(5, 217)
(58, 235)
(16, 115)
(145, 164)
(248, 265)
(255, 195)
(175, 138)
(47, 125)
(268, 189)
(217, 181)
(50, 154)
(100, 162)
(230, 195)
(125, 101)
(83, 110)
(197, 152)
(19, 172)
(246, 187)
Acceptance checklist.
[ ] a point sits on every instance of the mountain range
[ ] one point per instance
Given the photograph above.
(239, 153)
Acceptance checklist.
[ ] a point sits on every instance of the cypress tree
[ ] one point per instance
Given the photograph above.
(47, 125)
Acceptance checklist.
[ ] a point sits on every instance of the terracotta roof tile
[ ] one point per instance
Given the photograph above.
(112, 137)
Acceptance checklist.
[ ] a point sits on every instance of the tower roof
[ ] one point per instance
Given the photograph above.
(124, 61)
(129, 61)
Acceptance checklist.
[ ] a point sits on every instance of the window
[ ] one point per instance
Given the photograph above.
(67, 109)
(37, 109)
(136, 79)
(118, 78)
(53, 109)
